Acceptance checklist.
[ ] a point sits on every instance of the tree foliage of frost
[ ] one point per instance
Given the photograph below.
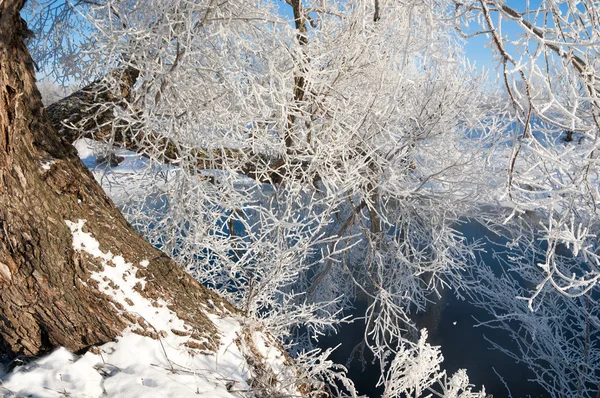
(550, 72)
(328, 159)
(335, 157)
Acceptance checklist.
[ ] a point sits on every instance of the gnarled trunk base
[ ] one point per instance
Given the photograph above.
(46, 295)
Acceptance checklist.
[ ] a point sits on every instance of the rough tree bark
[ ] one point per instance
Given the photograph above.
(46, 295)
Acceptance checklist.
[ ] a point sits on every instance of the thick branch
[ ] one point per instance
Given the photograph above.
(299, 80)
(89, 113)
(91, 108)
(577, 62)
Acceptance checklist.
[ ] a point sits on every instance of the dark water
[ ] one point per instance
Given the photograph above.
(463, 346)
(451, 324)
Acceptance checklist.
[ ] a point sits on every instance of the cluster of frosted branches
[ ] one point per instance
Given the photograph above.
(313, 162)
(549, 59)
(415, 370)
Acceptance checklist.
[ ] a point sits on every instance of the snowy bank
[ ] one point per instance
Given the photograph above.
(159, 355)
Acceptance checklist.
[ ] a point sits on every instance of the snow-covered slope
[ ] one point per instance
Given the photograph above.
(160, 356)
(140, 366)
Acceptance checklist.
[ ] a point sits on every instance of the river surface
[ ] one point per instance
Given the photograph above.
(452, 325)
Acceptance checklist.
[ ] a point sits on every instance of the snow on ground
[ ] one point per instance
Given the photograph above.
(139, 366)
(135, 175)
(85, 148)
(179, 363)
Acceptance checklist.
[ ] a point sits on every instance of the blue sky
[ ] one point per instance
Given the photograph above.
(477, 48)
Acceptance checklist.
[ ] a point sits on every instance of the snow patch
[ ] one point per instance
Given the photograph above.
(269, 349)
(48, 165)
(82, 241)
(118, 280)
(140, 366)
(85, 147)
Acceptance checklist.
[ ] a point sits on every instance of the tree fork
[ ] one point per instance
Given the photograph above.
(47, 298)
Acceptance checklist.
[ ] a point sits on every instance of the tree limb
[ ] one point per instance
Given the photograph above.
(90, 113)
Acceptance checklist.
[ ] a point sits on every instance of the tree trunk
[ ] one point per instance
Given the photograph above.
(47, 297)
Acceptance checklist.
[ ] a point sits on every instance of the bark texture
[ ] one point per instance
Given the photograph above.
(46, 295)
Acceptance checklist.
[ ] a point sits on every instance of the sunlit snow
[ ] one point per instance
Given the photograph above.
(140, 366)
